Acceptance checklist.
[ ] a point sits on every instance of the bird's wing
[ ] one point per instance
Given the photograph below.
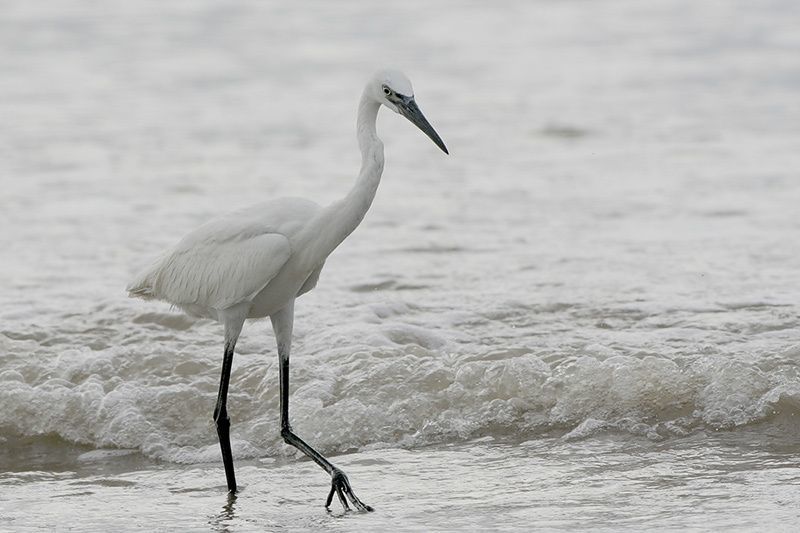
(215, 271)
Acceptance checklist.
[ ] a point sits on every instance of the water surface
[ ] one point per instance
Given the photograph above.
(585, 318)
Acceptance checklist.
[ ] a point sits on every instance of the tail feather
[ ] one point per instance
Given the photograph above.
(142, 285)
(145, 293)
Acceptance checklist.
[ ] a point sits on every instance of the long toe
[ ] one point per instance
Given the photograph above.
(337, 488)
(330, 497)
(341, 486)
(361, 506)
(357, 503)
(342, 499)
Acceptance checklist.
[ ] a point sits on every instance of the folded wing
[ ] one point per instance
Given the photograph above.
(214, 269)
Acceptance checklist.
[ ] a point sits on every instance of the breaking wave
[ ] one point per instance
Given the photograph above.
(402, 385)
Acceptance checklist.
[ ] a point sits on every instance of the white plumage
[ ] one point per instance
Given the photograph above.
(254, 262)
(228, 260)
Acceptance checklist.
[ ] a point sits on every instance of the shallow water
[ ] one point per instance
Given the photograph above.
(606, 483)
(585, 318)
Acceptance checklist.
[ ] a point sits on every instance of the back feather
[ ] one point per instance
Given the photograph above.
(214, 270)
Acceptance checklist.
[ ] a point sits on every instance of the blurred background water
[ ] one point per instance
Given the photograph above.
(585, 318)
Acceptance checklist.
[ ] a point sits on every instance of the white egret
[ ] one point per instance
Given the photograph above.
(255, 262)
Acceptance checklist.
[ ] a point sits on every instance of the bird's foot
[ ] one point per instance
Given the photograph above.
(340, 486)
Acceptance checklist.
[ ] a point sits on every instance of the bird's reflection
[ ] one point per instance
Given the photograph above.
(223, 519)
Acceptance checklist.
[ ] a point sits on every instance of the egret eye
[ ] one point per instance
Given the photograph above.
(387, 91)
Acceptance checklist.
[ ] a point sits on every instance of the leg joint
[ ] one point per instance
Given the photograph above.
(221, 418)
(288, 436)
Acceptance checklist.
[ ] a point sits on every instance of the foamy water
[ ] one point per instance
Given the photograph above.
(598, 289)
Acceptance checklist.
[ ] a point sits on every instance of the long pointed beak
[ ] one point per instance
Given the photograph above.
(409, 109)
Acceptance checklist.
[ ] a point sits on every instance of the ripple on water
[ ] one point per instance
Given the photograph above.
(388, 285)
(175, 321)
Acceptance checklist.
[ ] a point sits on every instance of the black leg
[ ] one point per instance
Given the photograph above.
(282, 324)
(221, 418)
(340, 485)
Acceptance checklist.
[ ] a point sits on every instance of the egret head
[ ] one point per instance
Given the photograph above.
(393, 89)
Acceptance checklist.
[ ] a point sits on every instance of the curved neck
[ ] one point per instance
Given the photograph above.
(339, 219)
(366, 132)
(360, 197)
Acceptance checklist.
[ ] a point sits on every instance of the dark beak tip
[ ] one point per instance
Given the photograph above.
(411, 111)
